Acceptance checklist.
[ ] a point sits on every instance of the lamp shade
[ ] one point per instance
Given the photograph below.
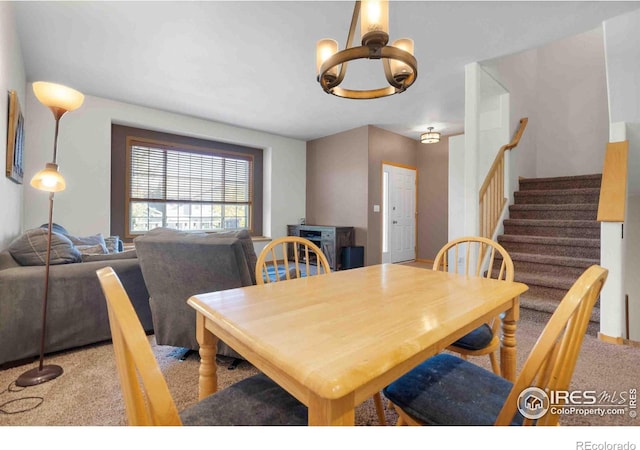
(49, 179)
(57, 96)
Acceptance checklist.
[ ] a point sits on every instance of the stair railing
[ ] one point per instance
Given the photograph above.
(613, 189)
(492, 199)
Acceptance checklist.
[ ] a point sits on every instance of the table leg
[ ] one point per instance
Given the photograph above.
(508, 341)
(208, 381)
(332, 412)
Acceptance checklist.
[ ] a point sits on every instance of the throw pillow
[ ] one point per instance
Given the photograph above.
(30, 249)
(114, 244)
(96, 239)
(55, 227)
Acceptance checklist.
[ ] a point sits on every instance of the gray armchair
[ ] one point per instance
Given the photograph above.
(176, 265)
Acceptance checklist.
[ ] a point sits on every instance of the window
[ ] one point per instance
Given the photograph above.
(175, 184)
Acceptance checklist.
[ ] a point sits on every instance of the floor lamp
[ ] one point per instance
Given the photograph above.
(60, 99)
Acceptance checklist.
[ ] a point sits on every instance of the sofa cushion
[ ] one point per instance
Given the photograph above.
(30, 249)
(129, 254)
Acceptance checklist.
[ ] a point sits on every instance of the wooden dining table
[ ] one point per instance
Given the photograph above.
(334, 340)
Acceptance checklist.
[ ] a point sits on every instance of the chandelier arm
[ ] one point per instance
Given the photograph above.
(348, 54)
(349, 42)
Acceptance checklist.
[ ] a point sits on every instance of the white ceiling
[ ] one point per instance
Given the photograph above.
(252, 63)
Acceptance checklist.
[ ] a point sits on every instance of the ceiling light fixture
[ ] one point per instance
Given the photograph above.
(400, 66)
(430, 137)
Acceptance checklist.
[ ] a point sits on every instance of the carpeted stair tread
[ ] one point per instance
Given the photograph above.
(565, 182)
(584, 263)
(549, 227)
(553, 223)
(550, 240)
(555, 282)
(557, 196)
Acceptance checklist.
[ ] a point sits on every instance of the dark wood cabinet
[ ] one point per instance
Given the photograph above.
(329, 239)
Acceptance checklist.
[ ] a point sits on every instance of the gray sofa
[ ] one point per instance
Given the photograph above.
(177, 265)
(77, 312)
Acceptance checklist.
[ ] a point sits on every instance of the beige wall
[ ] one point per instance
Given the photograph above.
(344, 182)
(337, 181)
(433, 194)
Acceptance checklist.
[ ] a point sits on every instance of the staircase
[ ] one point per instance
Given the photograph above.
(552, 236)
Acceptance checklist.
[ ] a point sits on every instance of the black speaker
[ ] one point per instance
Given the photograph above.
(352, 257)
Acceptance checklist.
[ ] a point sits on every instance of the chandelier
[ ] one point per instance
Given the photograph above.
(400, 66)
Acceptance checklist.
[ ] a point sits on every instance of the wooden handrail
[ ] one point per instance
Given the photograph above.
(613, 189)
(491, 195)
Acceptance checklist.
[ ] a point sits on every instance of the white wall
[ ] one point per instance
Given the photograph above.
(622, 35)
(456, 187)
(562, 89)
(84, 152)
(571, 110)
(12, 77)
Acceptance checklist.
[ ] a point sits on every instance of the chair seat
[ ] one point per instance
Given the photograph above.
(476, 339)
(447, 390)
(282, 273)
(254, 401)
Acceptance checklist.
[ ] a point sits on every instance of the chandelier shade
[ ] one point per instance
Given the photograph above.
(399, 65)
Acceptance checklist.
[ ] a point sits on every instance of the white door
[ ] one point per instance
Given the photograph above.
(399, 214)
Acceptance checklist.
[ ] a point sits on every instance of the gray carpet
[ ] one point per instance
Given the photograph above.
(88, 392)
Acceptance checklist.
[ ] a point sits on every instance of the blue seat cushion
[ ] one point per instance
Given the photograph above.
(254, 401)
(447, 390)
(282, 273)
(476, 339)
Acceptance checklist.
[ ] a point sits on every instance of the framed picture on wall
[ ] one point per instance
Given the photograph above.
(15, 139)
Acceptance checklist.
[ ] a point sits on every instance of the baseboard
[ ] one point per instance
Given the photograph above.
(426, 261)
(610, 339)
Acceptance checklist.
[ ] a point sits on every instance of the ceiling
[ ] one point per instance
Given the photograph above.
(252, 63)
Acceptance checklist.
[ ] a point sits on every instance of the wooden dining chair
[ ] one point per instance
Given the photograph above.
(256, 400)
(447, 390)
(298, 257)
(492, 261)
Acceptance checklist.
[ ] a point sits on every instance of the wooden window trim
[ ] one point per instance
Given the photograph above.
(121, 139)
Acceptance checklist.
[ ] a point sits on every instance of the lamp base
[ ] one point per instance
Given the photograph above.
(37, 376)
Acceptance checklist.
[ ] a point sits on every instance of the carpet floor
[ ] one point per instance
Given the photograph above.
(88, 393)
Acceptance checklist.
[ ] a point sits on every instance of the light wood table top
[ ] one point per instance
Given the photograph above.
(333, 341)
